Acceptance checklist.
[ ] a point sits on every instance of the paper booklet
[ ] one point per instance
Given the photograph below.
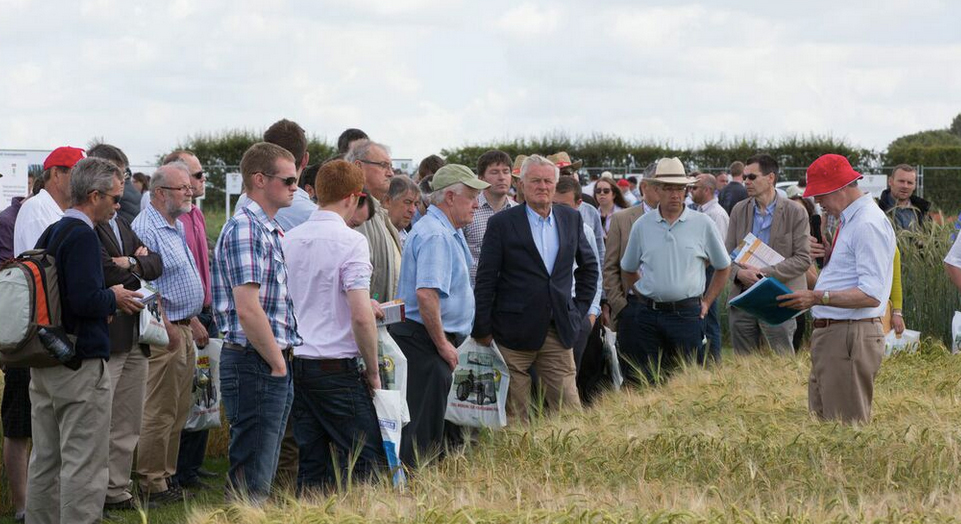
(760, 300)
(753, 252)
(149, 293)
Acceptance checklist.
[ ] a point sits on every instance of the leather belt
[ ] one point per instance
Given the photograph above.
(825, 322)
(181, 322)
(669, 306)
(329, 365)
(287, 352)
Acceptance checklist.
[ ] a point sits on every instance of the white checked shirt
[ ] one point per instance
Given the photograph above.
(474, 232)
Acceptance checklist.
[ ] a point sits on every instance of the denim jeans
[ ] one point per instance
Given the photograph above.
(334, 423)
(257, 406)
(635, 365)
(667, 338)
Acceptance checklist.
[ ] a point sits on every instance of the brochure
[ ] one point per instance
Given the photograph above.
(760, 300)
(753, 252)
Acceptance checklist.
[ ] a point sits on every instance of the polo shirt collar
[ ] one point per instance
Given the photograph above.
(682, 218)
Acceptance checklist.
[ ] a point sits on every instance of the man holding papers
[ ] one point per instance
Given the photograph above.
(671, 246)
(849, 296)
(777, 232)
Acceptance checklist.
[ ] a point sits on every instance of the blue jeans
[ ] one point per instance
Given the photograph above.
(334, 422)
(635, 365)
(257, 406)
(668, 338)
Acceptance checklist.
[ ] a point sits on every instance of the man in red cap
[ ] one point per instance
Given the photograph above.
(49, 204)
(849, 296)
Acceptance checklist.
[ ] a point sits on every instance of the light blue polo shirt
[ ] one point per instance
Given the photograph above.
(436, 256)
(672, 258)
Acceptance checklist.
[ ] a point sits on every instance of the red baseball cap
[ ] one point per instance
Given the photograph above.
(828, 174)
(64, 156)
(623, 183)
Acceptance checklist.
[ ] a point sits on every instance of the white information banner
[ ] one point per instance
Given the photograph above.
(14, 165)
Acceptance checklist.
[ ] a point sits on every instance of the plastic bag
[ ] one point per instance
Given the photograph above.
(392, 363)
(956, 332)
(392, 416)
(610, 356)
(478, 394)
(908, 341)
(152, 330)
(205, 409)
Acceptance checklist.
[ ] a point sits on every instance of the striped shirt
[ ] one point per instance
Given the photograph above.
(181, 290)
(249, 252)
(474, 232)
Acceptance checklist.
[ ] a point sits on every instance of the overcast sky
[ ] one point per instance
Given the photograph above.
(420, 75)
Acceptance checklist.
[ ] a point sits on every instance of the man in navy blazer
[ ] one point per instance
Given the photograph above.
(523, 290)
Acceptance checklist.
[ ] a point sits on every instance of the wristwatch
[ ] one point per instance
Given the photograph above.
(132, 261)
(826, 298)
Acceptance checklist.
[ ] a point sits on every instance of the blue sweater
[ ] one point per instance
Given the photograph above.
(85, 303)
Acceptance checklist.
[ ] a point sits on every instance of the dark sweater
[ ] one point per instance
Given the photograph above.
(85, 303)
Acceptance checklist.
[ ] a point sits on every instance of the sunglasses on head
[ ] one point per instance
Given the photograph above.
(288, 181)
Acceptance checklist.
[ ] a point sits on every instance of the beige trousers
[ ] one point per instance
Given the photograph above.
(128, 381)
(748, 334)
(554, 364)
(71, 424)
(166, 406)
(845, 358)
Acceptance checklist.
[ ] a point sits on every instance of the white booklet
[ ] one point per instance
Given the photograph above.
(149, 292)
(753, 252)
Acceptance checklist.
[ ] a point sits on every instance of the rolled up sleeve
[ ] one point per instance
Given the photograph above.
(874, 252)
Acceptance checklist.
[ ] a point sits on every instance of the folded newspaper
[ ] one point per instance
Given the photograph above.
(760, 300)
(753, 252)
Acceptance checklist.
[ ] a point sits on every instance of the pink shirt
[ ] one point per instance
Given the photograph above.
(325, 260)
(195, 231)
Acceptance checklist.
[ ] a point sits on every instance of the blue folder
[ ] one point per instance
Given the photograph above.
(760, 300)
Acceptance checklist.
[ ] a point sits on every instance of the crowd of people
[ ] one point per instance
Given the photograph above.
(518, 253)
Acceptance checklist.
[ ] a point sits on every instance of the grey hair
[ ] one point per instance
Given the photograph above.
(401, 185)
(92, 174)
(361, 149)
(537, 160)
(437, 197)
(159, 177)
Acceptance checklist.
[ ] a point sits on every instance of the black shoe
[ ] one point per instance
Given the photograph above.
(205, 474)
(171, 495)
(127, 505)
(195, 484)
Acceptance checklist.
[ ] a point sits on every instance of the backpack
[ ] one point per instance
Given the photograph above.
(31, 334)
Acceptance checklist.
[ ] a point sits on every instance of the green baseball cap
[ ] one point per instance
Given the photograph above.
(452, 174)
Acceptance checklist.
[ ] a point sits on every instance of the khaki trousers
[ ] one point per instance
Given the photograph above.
(748, 334)
(555, 367)
(128, 381)
(71, 423)
(166, 406)
(845, 358)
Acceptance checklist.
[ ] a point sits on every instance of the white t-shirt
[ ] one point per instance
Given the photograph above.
(954, 254)
(36, 215)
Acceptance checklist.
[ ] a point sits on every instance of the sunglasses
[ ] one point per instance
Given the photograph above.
(603, 191)
(199, 175)
(116, 198)
(361, 197)
(752, 177)
(127, 174)
(288, 181)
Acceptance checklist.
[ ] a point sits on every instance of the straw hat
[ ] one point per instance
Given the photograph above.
(562, 160)
(671, 171)
(518, 161)
(828, 174)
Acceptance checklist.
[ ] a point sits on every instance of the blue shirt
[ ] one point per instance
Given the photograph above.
(544, 231)
(249, 252)
(436, 256)
(762, 223)
(181, 289)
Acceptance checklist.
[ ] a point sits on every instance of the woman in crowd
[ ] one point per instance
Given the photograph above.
(609, 200)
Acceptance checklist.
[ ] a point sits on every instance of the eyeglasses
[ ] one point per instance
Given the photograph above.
(383, 165)
(185, 189)
(603, 190)
(288, 181)
(199, 175)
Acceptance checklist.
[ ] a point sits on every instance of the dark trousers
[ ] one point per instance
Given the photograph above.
(712, 322)
(334, 423)
(193, 444)
(668, 338)
(635, 364)
(429, 379)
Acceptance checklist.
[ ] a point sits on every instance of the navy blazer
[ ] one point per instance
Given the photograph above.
(516, 299)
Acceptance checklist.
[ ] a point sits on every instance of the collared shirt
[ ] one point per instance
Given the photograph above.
(762, 221)
(474, 232)
(288, 217)
(36, 215)
(592, 217)
(195, 232)
(546, 236)
(436, 256)
(249, 252)
(116, 231)
(79, 215)
(595, 308)
(862, 258)
(326, 259)
(672, 257)
(180, 287)
(714, 210)
(8, 217)
(647, 208)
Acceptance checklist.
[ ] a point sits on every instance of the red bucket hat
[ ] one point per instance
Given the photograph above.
(64, 156)
(828, 174)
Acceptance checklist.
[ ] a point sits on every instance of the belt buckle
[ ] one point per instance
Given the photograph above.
(654, 305)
